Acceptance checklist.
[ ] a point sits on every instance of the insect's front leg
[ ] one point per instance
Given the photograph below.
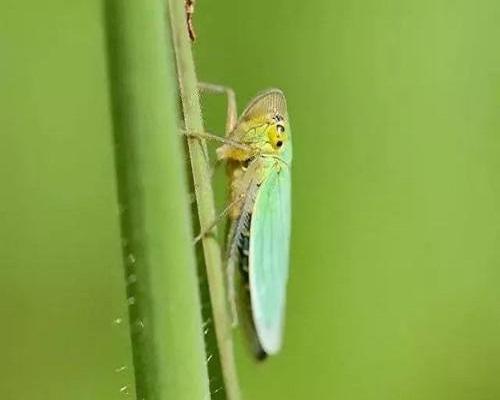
(232, 111)
(216, 138)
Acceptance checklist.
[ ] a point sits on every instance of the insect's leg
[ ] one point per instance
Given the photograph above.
(231, 269)
(221, 216)
(232, 111)
(216, 138)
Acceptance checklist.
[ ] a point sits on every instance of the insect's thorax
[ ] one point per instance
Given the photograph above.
(245, 179)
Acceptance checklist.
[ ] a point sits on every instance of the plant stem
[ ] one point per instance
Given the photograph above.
(193, 120)
(162, 287)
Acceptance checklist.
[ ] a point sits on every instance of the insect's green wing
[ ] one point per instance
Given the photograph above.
(269, 255)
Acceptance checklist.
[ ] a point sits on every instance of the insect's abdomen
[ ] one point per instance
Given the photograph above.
(244, 249)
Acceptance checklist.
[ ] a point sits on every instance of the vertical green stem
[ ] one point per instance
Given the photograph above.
(165, 318)
(188, 84)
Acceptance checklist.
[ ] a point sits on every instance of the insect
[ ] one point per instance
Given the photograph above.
(258, 153)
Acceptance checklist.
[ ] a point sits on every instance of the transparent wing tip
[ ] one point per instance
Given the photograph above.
(270, 101)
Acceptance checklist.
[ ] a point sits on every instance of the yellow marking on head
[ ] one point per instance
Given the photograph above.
(277, 135)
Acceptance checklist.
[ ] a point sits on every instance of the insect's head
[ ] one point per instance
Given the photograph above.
(277, 132)
(265, 122)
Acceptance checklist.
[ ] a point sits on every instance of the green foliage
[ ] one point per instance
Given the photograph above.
(165, 315)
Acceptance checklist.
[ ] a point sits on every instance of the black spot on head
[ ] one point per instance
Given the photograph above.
(279, 143)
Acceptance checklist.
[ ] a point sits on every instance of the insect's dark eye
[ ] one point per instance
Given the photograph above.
(280, 128)
(279, 143)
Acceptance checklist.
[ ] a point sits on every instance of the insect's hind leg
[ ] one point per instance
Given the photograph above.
(224, 213)
(230, 266)
(232, 111)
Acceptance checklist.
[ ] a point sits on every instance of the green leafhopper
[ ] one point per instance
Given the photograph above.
(258, 153)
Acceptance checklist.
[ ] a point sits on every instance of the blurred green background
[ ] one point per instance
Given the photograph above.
(395, 275)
